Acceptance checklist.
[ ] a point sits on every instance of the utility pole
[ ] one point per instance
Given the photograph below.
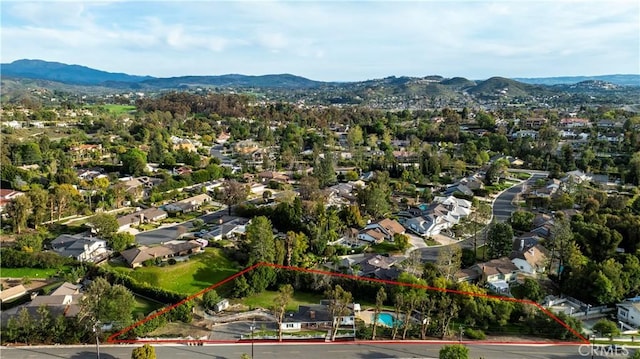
(253, 327)
(95, 330)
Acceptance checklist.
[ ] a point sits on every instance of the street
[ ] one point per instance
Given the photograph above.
(502, 209)
(351, 350)
(169, 233)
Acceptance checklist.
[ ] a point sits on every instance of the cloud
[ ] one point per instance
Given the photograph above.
(330, 40)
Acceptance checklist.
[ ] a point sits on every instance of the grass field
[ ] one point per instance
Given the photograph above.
(119, 109)
(143, 307)
(27, 272)
(267, 298)
(199, 272)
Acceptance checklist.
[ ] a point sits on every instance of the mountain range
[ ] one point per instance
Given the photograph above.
(397, 92)
(82, 75)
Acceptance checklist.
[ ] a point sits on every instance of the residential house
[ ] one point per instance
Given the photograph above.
(135, 257)
(80, 247)
(388, 227)
(183, 144)
(379, 267)
(317, 317)
(574, 122)
(497, 273)
(11, 293)
(533, 122)
(65, 300)
(458, 187)
(188, 204)
(371, 235)
(532, 261)
(267, 176)
(629, 312)
(525, 133)
(148, 215)
(6, 196)
(227, 230)
(467, 275)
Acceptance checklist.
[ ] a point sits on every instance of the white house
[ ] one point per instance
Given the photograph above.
(532, 261)
(629, 312)
(81, 248)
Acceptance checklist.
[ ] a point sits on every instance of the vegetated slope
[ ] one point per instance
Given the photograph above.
(504, 87)
(70, 74)
(234, 80)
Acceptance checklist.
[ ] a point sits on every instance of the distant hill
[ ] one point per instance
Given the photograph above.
(504, 87)
(622, 80)
(69, 74)
(21, 78)
(234, 80)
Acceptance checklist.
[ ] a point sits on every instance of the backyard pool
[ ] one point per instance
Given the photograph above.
(385, 319)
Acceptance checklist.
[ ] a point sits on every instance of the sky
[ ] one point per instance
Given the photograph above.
(329, 40)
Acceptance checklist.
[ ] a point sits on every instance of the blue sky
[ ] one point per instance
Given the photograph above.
(329, 40)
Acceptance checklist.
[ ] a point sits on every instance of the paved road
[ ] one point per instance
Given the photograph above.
(502, 209)
(366, 350)
(170, 233)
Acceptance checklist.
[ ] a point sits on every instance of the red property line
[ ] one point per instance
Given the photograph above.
(112, 338)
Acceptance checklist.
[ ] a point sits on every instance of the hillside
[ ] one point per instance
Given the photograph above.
(28, 79)
(70, 74)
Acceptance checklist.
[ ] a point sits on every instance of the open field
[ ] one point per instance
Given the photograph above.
(28, 272)
(199, 272)
(118, 109)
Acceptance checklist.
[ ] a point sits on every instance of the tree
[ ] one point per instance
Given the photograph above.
(381, 296)
(479, 217)
(107, 303)
(134, 161)
(522, 220)
(101, 184)
(64, 196)
(234, 193)
(39, 201)
(499, 240)
(375, 199)
(449, 261)
(401, 241)
(19, 209)
(259, 236)
(282, 300)
(338, 307)
(309, 188)
(144, 352)
(120, 241)
(530, 289)
(210, 299)
(324, 170)
(606, 327)
(296, 245)
(104, 224)
(455, 351)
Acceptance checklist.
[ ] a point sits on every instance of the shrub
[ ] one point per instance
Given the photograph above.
(474, 334)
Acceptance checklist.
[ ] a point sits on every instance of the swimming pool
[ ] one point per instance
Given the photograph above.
(385, 319)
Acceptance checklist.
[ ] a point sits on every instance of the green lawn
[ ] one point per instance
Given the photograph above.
(384, 247)
(143, 307)
(118, 109)
(28, 272)
(199, 272)
(267, 298)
